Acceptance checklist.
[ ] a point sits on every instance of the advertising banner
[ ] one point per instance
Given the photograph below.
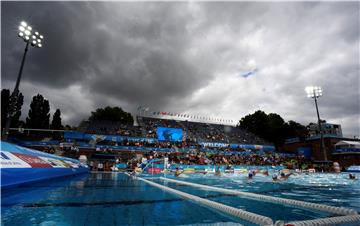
(347, 150)
(33, 161)
(213, 144)
(21, 165)
(55, 163)
(8, 160)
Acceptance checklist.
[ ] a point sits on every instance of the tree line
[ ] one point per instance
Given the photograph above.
(271, 127)
(38, 115)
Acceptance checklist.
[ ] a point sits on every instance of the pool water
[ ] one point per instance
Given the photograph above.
(117, 199)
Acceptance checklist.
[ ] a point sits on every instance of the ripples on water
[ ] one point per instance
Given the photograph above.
(115, 199)
(332, 189)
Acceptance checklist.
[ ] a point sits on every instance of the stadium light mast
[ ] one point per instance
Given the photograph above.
(35, 39)
(315, 92)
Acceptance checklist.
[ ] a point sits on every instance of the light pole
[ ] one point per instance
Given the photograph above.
(34, 39)
(316, 92)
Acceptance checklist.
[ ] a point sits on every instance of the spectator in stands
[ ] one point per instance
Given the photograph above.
(100, 166)
(91, 165)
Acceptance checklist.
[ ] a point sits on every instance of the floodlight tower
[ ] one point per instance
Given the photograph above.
(34, 39)
(316, 92)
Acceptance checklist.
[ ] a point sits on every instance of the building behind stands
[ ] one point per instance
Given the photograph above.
(311, 147)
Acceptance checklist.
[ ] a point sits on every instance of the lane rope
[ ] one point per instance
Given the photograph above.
(291, 202)
(327, 221)
(242, 214)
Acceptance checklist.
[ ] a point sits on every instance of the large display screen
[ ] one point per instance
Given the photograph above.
(169, 134)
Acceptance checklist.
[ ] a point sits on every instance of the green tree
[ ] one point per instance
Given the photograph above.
(67, 127)
(56, 121)
(275, 129)
(255, 123)
(294, 129)
(112, 114)
(272, 127)
(5, 101)
(39, 113)
(5, 96)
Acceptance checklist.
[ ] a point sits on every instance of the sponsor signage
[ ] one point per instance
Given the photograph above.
(55, 163)
(19, 160)
(347, 150)
(33, 161)
(212, 144)
(8, 160)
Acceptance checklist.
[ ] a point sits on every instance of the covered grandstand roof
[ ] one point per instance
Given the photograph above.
(345, 142)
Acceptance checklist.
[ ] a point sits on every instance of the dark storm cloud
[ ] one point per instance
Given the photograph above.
(185, 57)
(61, 61)
(131, 51)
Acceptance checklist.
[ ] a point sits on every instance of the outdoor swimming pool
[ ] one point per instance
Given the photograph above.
(117, 199)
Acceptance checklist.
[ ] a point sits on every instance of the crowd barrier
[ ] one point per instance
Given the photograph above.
(242, 214)
(21, 165)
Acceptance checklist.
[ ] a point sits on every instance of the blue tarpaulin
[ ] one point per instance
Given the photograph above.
(21, 165)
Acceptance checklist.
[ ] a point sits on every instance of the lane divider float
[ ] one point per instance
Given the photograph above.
(242, 214)
(327, 221)
(291, 202)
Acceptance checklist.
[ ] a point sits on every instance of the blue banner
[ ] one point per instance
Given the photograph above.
(244, 146)
(347, 150)
(38, 143)
(73, 135)
(213, 144)
(70, 135)
(128, 148)
(304, 151)
(169, 134)
(21, 165)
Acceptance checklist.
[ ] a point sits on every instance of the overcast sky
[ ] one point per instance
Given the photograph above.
(189, 58)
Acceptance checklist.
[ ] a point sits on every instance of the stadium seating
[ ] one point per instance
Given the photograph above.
(193, 131)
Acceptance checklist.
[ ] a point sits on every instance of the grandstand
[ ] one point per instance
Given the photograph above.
(195, 143)
(193, 131)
